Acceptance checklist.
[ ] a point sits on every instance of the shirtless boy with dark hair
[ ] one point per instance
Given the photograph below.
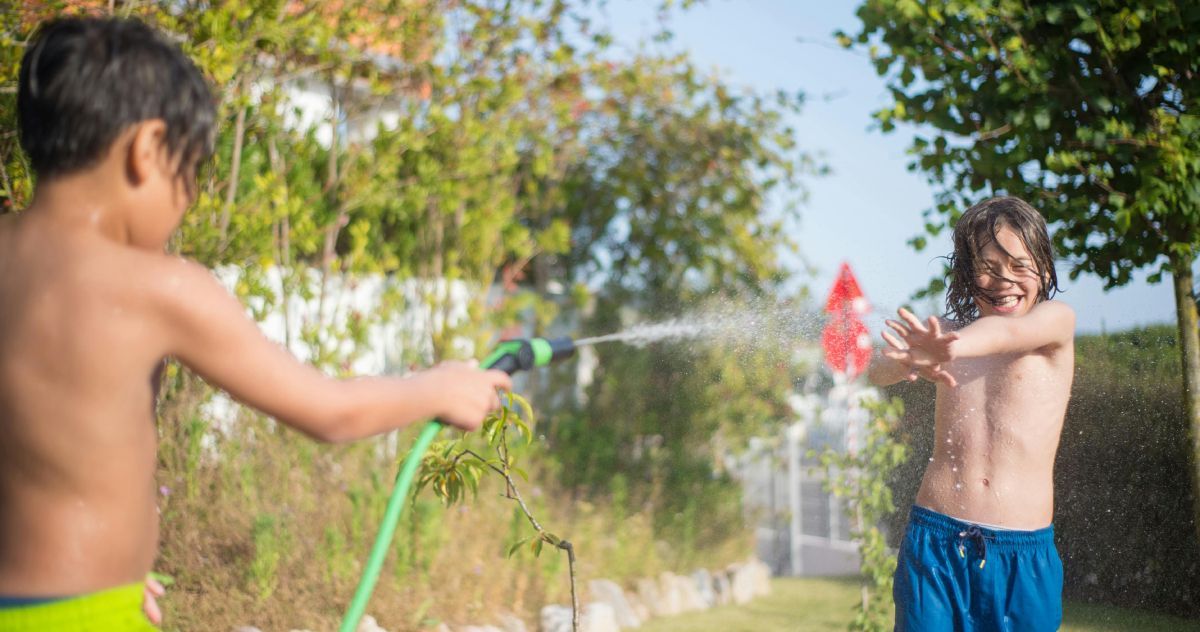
(979, 550)
(115, 120)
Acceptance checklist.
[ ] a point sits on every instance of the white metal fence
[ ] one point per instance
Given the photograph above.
(800, 528)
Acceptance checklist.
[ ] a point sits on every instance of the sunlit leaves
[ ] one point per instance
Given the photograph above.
(453, 471)
(861, 478)
(1077, 106)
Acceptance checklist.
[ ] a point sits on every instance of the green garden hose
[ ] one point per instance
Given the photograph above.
(510, 356)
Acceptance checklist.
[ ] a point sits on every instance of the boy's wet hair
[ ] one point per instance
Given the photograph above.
(84, 81)
(975, 230)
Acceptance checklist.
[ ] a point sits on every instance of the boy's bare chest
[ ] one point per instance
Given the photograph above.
(1007, 390)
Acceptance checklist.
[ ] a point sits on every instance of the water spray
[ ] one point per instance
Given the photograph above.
(509, 356)
(759, 326)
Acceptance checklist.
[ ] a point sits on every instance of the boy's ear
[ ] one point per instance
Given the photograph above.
(147, 145)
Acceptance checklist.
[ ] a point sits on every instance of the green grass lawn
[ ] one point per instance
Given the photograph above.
(826, 604)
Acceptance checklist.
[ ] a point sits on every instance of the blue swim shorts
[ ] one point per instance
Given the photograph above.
(957, 576)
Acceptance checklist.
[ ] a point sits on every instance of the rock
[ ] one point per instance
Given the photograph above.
(606, 591)
(555, 618)
(760, 575)
(749, 580)
(368, 624)
(598, 617)
(703, 580)
(741, 583)
(638, 606)
(722, 589)
(670, 601)
(509, 623)
(689, 597)
(247, 628)
(651, 596)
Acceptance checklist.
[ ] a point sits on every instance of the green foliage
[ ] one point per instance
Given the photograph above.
(513, 150)
(1085, 108)
(269, 537)
(664, 416)
(451, 469)
(862, 478)
(422, 534)
(1117, 477)
(1080, 107)
(451, 473)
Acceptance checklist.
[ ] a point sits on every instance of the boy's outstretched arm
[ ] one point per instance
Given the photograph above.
(208, 330)
(885, 370)
(1048, 324)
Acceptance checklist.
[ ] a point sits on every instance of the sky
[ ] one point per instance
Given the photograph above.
(865, 211)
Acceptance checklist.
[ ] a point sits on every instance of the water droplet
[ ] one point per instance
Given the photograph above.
(958, 486)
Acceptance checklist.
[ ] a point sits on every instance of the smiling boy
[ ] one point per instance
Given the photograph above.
(979, 550)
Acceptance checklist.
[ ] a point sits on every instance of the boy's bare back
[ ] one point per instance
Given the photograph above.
(90, 306)
(77, 437)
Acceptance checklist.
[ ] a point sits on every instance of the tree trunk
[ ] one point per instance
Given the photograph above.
(1189, 347)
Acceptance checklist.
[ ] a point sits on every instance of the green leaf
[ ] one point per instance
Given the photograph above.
(516, 546)
(162, 578)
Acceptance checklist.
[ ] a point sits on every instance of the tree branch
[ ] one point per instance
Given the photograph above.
(514, 494)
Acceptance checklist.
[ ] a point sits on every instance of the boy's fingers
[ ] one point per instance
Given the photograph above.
(155, 587)
(900, 329)
(945, 377)
(935, 326)
(499, 379)
(894, 341)
(150, 607)
(914, 323)
(896, 354)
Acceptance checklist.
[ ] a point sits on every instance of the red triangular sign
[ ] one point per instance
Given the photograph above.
(846, 295)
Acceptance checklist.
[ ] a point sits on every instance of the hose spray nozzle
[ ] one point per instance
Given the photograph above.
(522, 354)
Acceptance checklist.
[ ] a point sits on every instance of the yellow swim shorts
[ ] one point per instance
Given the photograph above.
(113, 610)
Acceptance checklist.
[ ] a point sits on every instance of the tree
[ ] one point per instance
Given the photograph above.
(476, 141)
(1087, 109)
(667, 210)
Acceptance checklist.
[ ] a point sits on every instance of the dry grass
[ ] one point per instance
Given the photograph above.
(275, 531)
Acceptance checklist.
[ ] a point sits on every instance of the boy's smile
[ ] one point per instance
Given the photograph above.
(1007, 280)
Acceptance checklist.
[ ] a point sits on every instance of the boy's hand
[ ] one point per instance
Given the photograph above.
(467, 393)
(150, 596)
(923, 347)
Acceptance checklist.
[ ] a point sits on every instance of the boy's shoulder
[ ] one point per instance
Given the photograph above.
(1054, 321)
(154, 284)
(1055, 310)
